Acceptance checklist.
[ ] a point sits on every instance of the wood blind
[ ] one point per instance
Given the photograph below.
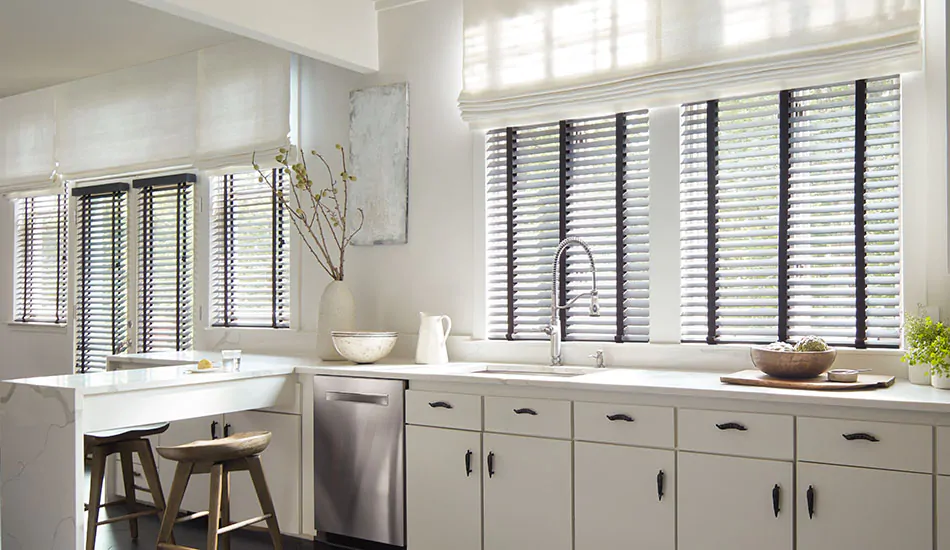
(41, 259)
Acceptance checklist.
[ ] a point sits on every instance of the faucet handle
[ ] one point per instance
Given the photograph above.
(598, 356)
(548, 329)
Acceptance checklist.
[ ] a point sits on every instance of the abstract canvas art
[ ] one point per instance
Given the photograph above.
(379, 158)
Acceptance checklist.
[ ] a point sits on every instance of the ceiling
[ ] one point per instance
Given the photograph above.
(47, 42)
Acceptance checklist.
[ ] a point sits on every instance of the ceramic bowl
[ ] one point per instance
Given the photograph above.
(793, 364)
(363, 347)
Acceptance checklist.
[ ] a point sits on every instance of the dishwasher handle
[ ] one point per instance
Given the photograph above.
(381, 399)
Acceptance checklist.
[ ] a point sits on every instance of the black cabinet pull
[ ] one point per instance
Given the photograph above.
(861, 436)
(491, 464)
(532, 412)
(214, 429)
(732, 426)
(227, 430)
(616, 417)
(440, 405)
(468, 463)
(660, 481)
(810, 497)
(776, 497)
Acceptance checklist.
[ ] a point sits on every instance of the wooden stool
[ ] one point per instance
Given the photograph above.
(125, 442)
(218, 457)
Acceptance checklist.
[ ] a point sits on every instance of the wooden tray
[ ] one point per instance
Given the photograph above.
(759, 378)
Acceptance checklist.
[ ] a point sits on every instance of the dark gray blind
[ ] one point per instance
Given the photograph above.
(166, 263)
(585, 178)
(789, 216)
(102, 272)
(41, 259)
(250, 253)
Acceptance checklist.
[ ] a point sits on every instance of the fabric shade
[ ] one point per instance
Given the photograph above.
(27, 133)
(526, 58)
(243, 103)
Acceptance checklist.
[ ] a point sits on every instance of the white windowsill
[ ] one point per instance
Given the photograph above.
(36, 327)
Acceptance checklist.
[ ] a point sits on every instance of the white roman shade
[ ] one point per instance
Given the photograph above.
(27, 134)
(526, 58)
(128, 120)
(243, 103)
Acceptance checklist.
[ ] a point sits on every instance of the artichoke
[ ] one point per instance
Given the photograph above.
(780, 346)
(811, 343)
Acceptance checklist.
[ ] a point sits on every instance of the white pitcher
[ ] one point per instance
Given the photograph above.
(433, 333)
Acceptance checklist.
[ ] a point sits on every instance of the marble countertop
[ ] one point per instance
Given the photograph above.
(659, 382)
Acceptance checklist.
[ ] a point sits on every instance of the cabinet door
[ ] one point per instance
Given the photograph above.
(179, 433)
(943, 512)
(623, 494)
(443, 489)
(527, 488)
(726, 503)
(862, 509)
(281, 463)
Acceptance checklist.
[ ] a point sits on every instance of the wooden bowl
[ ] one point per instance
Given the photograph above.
(793, 364)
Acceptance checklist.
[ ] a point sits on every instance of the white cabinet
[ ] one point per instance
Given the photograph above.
(281, 463)
(726, 502)
(943, 512)
(527, 493)
(863, 509)
(443, 489)
(623, 494)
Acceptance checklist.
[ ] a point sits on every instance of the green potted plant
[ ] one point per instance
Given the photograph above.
(928, 349)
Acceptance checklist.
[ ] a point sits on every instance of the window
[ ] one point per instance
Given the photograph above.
(790, 216)
(250, 253)
(166, 263)
(584, 178)
(101, 284)
(41, 260)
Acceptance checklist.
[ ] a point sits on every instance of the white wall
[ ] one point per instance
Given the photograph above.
(422, 44)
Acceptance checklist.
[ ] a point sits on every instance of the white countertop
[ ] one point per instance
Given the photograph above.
(659, 382)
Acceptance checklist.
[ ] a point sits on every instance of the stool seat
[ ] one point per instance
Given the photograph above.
(106, 437)
(233, 447)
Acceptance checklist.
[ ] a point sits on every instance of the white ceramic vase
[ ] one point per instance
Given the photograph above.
(337, 312)
(940, 381)
(919, 374)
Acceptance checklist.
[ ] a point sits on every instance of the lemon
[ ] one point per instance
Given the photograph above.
(204, 364)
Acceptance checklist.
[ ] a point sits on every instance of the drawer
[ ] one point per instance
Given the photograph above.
(884, 445)
(540, 417)
(624, 424)
(943, 451)
(444, 410)
(739, 434)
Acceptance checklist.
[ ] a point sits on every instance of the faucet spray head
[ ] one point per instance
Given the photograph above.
(594, 304)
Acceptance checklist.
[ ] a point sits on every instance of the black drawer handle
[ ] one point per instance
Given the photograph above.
(468, 463)
(616, 417)
(491, 464)
(810, 497)
(660, 482)
(860, 436)
(227, 430)
(732, 426)
(776, 497)
(440, 405)
(214, 429)
(532, 412)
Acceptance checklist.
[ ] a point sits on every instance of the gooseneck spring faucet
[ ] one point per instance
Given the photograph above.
(554, 327)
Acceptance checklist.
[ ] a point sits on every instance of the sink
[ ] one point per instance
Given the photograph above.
(536, 370)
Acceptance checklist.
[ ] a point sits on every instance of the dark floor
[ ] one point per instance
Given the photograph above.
(116, 536)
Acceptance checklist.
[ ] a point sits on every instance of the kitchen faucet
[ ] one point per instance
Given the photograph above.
(554, 327)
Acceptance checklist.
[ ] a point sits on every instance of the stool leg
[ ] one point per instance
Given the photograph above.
(226, 509)
(128, 478)
(180, 483)
(95, 495)
(144, 449)
(214, 506)
(263, 495)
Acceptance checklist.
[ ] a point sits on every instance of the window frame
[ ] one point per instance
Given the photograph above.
(19, 295)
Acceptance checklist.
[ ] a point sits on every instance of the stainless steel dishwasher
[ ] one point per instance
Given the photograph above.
(359, 460)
